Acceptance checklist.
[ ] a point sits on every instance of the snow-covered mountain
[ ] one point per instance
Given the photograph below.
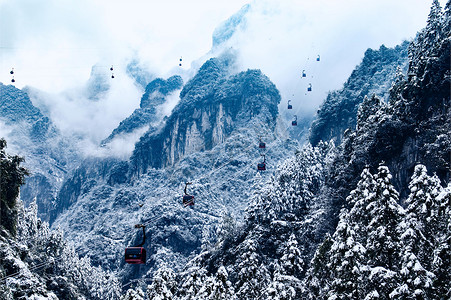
(210, 139)
(363, 216)
(31, 134)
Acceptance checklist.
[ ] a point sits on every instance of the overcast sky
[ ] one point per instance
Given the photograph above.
(52, 44)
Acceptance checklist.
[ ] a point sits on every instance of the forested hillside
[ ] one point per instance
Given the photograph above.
(333, 222)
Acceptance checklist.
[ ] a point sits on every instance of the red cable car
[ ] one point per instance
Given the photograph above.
(262, 166)
(137, 254)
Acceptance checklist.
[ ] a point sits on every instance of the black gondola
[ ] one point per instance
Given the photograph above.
(295, 121)
(111, 69)
(13, 80)
(303, 73)
(137, 254)
(289, 105)
(309, 89)
(12, 71)
(112, 75)
(188, 200)
(261, 144)
(262, 166)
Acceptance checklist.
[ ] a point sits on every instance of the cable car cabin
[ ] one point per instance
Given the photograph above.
(309, 89)
(303, 73)
(12, 71)
(261, 166)
(135, 255)
(112, 75)
(13, 80)
(188, 200)
(289, 105)
(262, 145)
(318, 58)
(111, 69)
(295, 121)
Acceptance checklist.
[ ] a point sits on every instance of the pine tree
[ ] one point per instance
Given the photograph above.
(423, 213)
(441, 265)
(383, 245)
(253, 276)
(291, 262)
(317, 280)
(195, 280)
(163, 284)
(131, 294)
(218, 287)
(369, 107)
(347, 262)
(282, 287)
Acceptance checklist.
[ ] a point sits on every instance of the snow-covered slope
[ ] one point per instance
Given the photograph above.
(32, 135)
(211, 140)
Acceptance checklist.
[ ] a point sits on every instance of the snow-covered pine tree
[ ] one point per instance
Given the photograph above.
(368, 108)
(441, 265)
(217, 287)
(383, 243)
(347, 262)
(317, 280)
(285, 283)
(282, 287)
(163, 284)
(423, 213)
(194, 282)
(253, 276)
(132, 294)
(291, 262)
(426, 40)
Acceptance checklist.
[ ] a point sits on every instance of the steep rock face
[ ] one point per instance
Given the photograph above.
(48, 154)
(374, 75)
(212, 105)
(154, 96)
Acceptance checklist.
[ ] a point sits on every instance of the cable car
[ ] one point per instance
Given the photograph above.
(303, 73)
(13, 80)
(188, 200)
(261, 144)
(318, 58)
(262, 166)
(137, 254)
(12, 71)
(112, 75)
(111, 69)
(289, 105)
(295, 121)
(309, 89)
